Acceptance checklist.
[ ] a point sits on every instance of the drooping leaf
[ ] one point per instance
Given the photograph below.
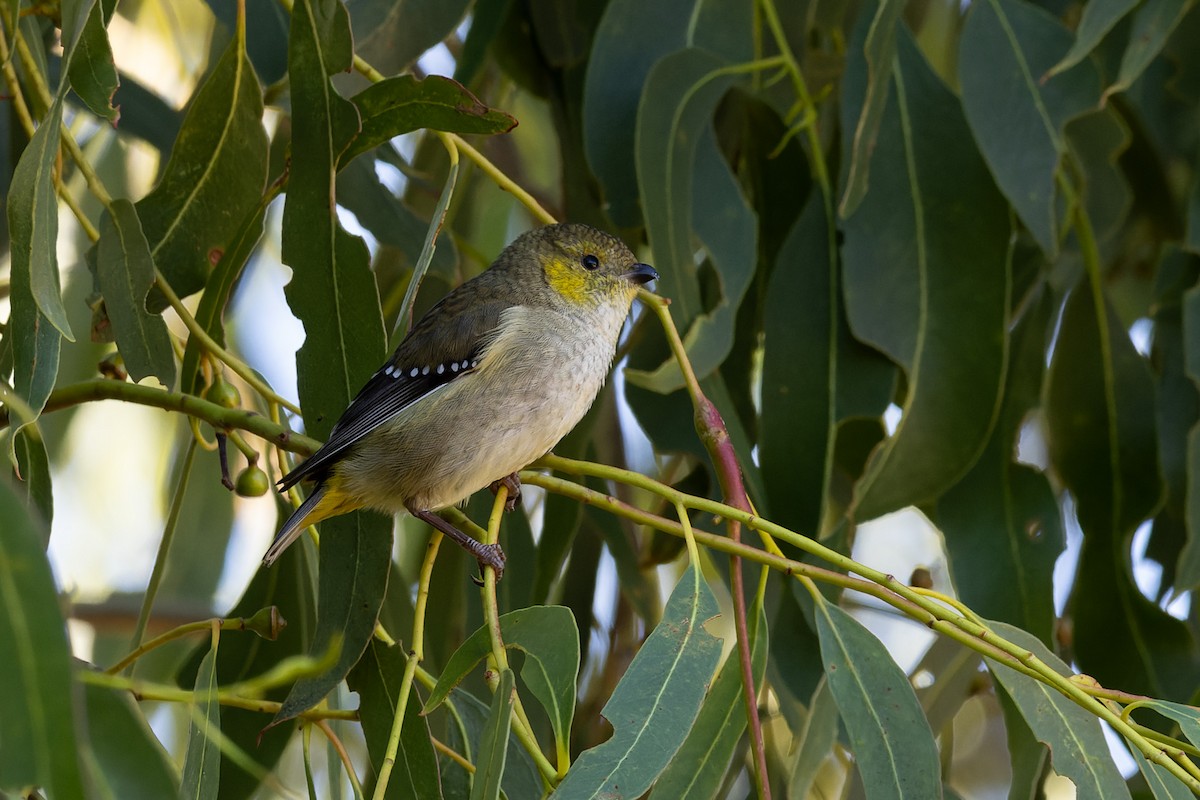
(465, 733)
(797, 427)
(33, 226)
(33, 462)
(37, 697)
(493, 744)
(683, 182)
(1077, 746)
(1188, 573)
(814, 741)
(633, 37)
(214, 178)
(879, 51)
(893, 746)
(1098, 19)
(217, 291)
(331, 285)
(131, 760)
(1153, 23)
(698, 767)
(93, 73)
(927, 277)
(1103, 442)
(405, 103)
(656, 701)
(376, 679)
(202, 763)
(289, 587)
(391, 34)
(548, 637)
(1162, 783)
(1017, 120)
(125, 271)
(1029, 757)
(1002, 523)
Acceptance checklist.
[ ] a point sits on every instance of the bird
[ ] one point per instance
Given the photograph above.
(486, 382)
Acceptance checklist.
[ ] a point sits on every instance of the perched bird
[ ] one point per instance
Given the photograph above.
(486, 382)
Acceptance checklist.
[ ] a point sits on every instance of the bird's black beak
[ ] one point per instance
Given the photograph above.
(641, 273)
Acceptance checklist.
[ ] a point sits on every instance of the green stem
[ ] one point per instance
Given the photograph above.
(164, 548)
(410, 667)
(499, 656)
(233, 362)
(218, 416)
(266, 623)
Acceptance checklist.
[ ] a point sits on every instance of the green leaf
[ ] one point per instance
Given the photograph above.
(796, 432)
(1101, 420)
(701, 762)
(656, 702)
(1097, 20)
(213, 180)
(217, 291)
(376, 679)
(406, 103)
(202, 763)
(1097, 141)
(1077, 747)
(814, 741)
(1002, 524)
(331, 286)
(550, 640)
(33, 225)
(1162, 783)
(131, 761)
(1188, 575)
(1018, 121)
(893, 746)
(1153, 23)
(37, 699)
(1187, 717)
(927, 281)
(949, 673)
(464, 735)
(34, 464)
(93, 73)
(683, 183)
(1029, 756)
(288, 587)
(631, 38)
(125, 271)
(493, 744)
(391, 34)
(879, 51)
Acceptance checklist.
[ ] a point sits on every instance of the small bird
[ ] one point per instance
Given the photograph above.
(486, 382)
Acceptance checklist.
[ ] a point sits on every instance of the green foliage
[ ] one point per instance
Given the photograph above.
(920, 257)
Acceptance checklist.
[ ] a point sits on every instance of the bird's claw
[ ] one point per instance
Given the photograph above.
(489, 555)
(513, 484)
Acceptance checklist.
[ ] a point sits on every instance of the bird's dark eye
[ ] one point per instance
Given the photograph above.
(590, 262)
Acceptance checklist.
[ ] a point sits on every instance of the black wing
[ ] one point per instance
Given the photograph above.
(425, 361)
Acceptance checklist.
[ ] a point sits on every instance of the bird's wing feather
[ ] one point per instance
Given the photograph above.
(456, 340)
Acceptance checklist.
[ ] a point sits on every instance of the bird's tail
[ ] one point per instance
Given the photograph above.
(327, 500)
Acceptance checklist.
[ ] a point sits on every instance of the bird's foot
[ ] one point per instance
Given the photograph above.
(513, 484)
(488, 555)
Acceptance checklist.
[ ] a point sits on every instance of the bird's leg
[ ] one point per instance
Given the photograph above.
(513, 483)
(488, 555)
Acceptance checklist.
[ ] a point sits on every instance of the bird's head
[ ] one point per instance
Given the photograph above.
(585, 266)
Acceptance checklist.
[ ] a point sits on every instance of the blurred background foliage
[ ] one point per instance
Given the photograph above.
(934, 263)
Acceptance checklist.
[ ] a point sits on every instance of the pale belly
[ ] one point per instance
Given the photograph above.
(483, 426)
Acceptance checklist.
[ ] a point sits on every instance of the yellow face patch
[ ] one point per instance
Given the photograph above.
(566, 278)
